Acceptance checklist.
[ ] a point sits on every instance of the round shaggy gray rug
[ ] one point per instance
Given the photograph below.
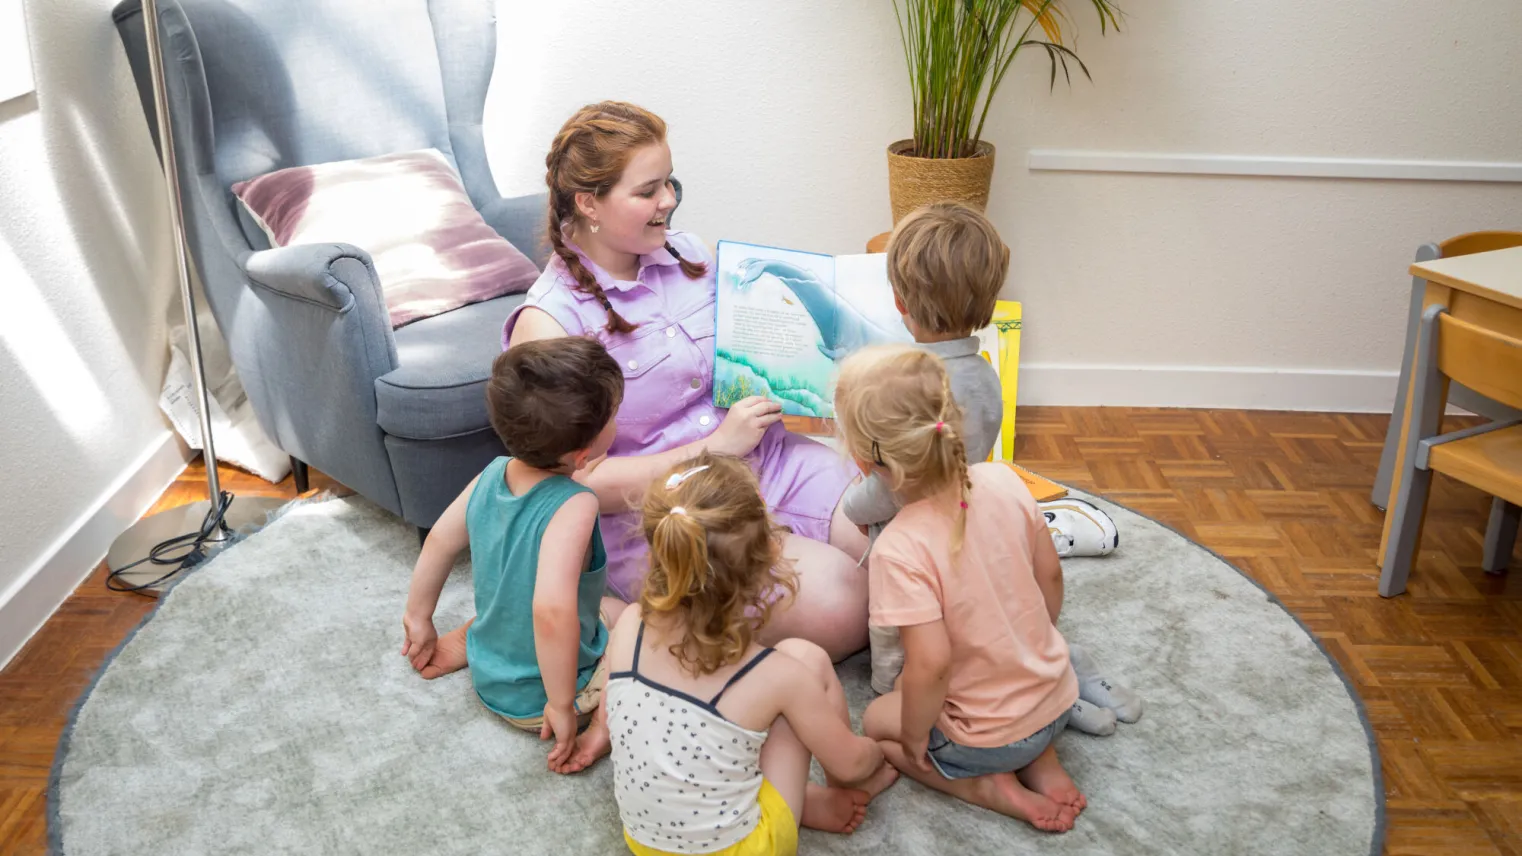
(264, 709)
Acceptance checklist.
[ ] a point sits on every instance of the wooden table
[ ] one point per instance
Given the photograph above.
(1483, 289)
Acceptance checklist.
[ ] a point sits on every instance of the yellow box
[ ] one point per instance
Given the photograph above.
(1000, 345)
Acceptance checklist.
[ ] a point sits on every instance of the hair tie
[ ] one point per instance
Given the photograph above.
(939, 427)
(677, 509)
(676, 479)
(964, 503)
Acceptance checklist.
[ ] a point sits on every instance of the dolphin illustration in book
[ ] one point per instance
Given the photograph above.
(842, 327)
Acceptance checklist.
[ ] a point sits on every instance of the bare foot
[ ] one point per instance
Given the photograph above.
(878, 781)
(448, 654)
(590, 745)
(1004, 793)
(1045, 776)
(834, 809)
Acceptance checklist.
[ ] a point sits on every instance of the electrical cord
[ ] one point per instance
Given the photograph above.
(193, 545)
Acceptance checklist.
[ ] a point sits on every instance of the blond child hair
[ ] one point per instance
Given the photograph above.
(946, 264)
(894, 409)
(714, 556)
(716, 574)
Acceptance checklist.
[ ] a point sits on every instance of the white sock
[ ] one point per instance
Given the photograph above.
(1095, 688)
(1092, 719)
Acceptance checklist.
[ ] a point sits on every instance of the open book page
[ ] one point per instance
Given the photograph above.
(776, 319)
(866, 314)
(786, 318)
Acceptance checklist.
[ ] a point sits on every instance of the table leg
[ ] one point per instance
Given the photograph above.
(1431, 295)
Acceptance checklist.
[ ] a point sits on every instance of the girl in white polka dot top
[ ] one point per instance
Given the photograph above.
(712, 733)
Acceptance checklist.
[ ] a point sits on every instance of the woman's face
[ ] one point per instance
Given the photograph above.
(631, 217)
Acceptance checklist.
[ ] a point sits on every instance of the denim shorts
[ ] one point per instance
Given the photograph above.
(955, 761)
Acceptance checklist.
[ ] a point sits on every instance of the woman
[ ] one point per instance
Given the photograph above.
(648, 294)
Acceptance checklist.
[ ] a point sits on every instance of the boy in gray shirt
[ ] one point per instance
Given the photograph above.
(946, 264)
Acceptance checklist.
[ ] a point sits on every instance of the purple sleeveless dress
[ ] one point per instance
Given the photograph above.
(668, 394)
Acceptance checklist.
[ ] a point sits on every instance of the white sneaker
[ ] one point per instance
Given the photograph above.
(1079, 528)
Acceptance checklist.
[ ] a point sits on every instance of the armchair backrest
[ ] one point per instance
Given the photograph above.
(268, 84)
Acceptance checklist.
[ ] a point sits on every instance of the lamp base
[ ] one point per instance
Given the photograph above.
(244, 515)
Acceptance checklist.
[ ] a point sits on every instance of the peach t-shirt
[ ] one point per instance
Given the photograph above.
(1010, 675)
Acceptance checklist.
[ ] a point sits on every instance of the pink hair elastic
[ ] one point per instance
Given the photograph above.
(939, 426)
(964, 503)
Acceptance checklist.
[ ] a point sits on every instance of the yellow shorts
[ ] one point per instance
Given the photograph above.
(586, 703)
(776, 834)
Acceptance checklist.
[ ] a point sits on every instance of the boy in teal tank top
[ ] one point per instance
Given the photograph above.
(536, 644)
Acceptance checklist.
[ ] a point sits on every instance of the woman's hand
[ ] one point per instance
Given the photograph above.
(743, 426)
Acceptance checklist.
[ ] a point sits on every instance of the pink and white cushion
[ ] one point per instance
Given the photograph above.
(432, 250)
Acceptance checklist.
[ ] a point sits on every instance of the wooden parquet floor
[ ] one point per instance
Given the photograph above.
(1283, 496)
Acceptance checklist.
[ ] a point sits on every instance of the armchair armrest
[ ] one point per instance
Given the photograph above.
(310, 334)
(522, 221)
(324, 274)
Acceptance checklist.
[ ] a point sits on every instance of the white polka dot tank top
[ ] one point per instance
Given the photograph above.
(686, 778)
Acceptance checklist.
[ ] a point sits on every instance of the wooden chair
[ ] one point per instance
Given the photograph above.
(1488, 456)
(1496, 555)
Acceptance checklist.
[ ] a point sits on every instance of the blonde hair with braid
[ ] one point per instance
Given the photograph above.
(715, 559)
(893, 409)
(589, 155)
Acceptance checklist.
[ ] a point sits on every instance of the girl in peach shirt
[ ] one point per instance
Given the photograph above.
(968, 574)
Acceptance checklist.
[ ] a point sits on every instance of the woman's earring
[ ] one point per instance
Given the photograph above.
(595, 227)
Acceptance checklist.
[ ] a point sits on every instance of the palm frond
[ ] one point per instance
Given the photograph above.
(958, 51)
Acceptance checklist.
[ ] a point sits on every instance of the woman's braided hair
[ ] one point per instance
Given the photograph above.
(589, 155)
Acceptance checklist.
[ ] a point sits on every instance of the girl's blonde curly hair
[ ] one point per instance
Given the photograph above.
(715, 559)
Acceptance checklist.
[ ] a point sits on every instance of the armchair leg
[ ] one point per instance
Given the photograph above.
(1500, 535)
(299, 471)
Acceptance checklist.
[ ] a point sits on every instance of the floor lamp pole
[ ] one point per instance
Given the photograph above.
(156, 548)
(177, 228)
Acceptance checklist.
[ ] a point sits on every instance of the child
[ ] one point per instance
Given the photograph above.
(968, 574)
(537, 640)
(946, 265)
(712, 734)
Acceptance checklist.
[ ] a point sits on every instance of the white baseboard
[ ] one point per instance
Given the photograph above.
(41, 588)
(1207, 387)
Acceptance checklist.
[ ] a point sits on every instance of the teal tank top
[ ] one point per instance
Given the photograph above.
(506, 535)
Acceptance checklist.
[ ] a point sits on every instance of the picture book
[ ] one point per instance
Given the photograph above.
(1043, 489)
(785, 319)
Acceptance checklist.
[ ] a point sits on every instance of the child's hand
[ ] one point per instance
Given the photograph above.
(559, 723)
(421, 637)
(917, 748)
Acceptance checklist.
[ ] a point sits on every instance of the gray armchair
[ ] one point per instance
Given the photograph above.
(258, 85)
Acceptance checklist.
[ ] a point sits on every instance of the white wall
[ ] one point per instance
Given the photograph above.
(1138, 289)
(86, 282)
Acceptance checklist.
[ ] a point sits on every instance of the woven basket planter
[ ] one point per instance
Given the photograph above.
(914, 181)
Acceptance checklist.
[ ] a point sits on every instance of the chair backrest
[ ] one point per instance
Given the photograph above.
(1479, 242)
(1483, 360)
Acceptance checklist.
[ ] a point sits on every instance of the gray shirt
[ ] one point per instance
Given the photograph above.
(975, 388)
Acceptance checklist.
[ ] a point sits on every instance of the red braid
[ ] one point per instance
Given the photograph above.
(692, 269)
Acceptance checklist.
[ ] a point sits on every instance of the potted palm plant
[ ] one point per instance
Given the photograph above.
(958, 52)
